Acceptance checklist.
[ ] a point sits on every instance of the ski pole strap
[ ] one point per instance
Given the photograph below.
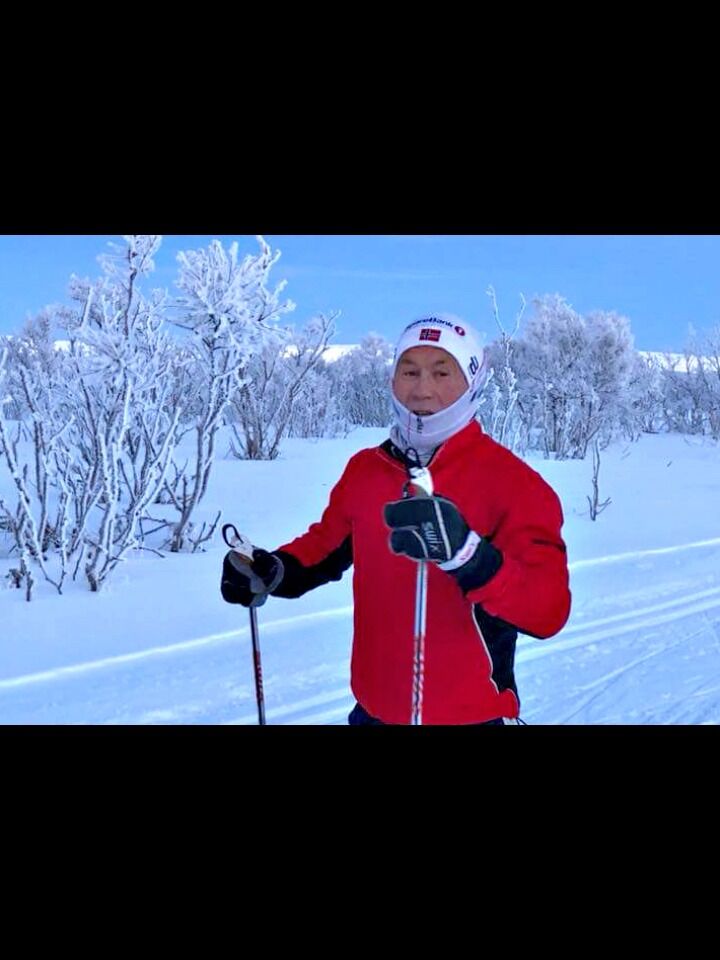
(238, 542)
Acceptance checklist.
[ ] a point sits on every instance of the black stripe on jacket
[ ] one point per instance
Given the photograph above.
(501, 640)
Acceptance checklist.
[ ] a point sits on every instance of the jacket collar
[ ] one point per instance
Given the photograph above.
(452, 445)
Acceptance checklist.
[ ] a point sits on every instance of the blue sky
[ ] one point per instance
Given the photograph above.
(381, 282)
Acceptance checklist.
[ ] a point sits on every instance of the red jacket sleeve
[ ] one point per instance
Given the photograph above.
(531, 588)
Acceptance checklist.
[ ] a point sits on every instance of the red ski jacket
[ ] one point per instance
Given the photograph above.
(470, 638)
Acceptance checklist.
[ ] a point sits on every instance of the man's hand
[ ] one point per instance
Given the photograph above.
(432, 528)
(426, 528)
(250, 584)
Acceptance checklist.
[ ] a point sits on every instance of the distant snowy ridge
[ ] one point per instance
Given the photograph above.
(671, 361)
(337, 350)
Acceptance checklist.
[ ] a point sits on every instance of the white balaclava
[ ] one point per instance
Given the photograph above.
(425, 434)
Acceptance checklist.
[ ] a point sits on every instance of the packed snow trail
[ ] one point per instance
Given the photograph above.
(642, 646)
(586, 677)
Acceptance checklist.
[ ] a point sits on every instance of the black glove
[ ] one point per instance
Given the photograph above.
(432, 528)
(250, 584)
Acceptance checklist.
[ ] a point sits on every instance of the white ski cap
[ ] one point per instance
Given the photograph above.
(451, 334)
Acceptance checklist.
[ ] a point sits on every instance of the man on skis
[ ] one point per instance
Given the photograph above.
(488, 536)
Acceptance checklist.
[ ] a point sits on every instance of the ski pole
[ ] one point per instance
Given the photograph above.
(420, 479)
(241, 559)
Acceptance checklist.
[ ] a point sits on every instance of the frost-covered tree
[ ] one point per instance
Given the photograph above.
(89, 433)
(33, 448)
(546, 363)
(642, 411)
(710, 364)
(122, 373)
(262, 407)
(499, 412)
(691, 385)
(596, 507)
(231, 313)
(573, 373)
(684, 394)
(100, 426)
(603, 406)
(361, 380)
(318, 411)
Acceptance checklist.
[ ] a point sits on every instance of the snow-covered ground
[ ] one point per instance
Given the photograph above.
(160, 646)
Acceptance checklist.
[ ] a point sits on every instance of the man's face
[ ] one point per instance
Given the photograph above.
(427, 380)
